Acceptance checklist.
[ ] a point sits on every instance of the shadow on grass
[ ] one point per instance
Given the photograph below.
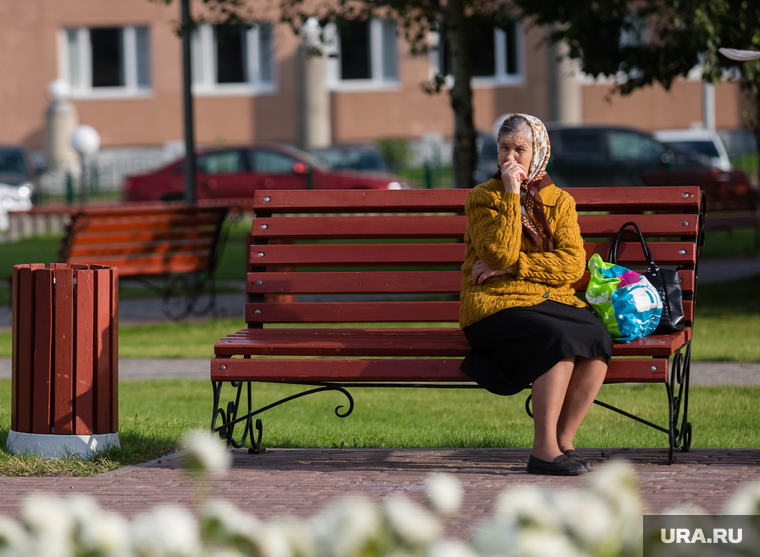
(730, 298)
(136, 448)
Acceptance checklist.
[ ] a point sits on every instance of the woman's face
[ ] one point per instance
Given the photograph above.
(516, 147)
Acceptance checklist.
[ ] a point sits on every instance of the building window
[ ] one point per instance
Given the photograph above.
(233, 59)
(107, 60)
(362, 54)
(495, 54)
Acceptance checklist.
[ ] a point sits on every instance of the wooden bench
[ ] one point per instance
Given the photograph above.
(176, 244)
(331, 257)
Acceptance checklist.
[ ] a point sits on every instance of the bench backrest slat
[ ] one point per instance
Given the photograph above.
(352, 312)
(664, 253)
(340, 250)
(452, 200)
(131, 248)
(145, 240)
(428, 226)
(383, 282)
(146, 236)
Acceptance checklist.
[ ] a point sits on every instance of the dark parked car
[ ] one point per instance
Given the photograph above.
(352, 157)
(594, 156)
(238, 171)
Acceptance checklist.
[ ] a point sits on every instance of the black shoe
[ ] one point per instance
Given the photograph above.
(576, 456)
(562, 466)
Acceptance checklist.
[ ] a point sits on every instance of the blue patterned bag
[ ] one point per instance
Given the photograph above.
(625, 301)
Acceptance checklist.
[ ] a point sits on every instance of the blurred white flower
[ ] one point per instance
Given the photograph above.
(205, 453)
(589, 521)
(451, 548)
(615, 481)
(411, 522)
(13, 539)
(97, 532)
(298, 535)
(534, 542)
(685, 509)
(744, 501)
(444, 493)
(529, 506)
(49, 525)
(273, 543)
(494, 537)
(165, 530)
(221, 519)
(345, 527)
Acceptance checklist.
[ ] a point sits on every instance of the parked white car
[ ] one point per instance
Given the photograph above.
(12, 199)
(703, 142)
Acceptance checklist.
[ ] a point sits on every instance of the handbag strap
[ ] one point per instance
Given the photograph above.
(633, 228)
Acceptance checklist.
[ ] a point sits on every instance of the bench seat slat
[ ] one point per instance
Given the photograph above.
(587, 199)
(664, 253)
(431, 370)
(445, 342)
(448, 226)
(380, 282)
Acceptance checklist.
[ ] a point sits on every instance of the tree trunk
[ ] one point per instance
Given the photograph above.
(464, 155)
(756, 129)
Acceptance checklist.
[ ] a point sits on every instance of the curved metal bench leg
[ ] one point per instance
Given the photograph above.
(680, 372)
(230, 415)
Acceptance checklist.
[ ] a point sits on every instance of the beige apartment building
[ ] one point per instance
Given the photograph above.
(122, 59)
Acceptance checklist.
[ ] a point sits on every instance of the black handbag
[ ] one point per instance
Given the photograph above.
(666, 281)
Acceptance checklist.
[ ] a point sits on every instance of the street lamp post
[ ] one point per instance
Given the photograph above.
(187, 96)
(86, 142)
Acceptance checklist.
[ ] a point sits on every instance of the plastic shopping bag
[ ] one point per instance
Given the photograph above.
(625, 301)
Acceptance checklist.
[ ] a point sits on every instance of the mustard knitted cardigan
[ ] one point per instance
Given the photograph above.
(494, 235)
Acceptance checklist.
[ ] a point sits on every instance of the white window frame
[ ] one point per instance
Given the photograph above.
(501, 78)
(83, 89)
(204, 65)
(377, 82)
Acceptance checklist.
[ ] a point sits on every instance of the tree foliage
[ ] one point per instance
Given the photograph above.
(642, 42)
(462, 20)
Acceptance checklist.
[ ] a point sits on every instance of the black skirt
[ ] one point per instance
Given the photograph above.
(515, 346)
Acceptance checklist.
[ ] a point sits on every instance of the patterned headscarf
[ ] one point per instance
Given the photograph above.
(534, 220)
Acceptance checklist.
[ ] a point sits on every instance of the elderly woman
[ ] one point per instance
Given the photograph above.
(518, 310)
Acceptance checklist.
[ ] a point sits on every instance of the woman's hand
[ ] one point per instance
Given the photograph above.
(481, 272)
(513, 174)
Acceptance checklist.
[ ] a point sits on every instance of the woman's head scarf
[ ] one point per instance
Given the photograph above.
(534, 220)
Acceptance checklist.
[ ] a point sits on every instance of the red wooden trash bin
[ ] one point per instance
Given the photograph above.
(64, 369)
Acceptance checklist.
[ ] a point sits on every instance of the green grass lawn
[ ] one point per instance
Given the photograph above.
(154, 415)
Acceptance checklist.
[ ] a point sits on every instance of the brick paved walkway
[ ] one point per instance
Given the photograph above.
(302, 481)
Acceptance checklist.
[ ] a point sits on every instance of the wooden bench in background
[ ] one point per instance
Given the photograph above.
(171, 248)
(731, 201)
(332, 231)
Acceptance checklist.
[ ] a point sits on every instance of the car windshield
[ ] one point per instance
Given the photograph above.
(703, 147)
(352, 159)
(488, 150)
(12, 162)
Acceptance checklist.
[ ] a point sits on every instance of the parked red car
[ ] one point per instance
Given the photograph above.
(234, 172)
